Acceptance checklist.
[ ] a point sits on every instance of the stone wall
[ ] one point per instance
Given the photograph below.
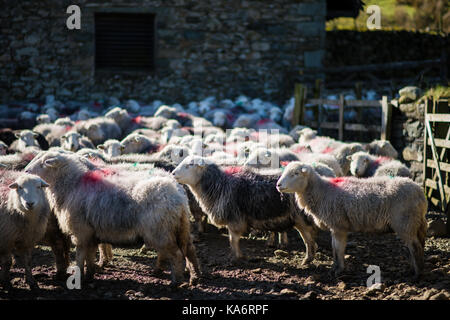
(217, 47)
(407, 135)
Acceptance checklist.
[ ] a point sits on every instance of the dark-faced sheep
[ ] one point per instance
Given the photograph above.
(96, 205)
(24, 212)
(240, 199)
(344, 205)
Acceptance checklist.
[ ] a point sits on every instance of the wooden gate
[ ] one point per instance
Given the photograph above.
(436, 167)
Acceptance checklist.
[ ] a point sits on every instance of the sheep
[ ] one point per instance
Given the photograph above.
(95, 205)
(43, 118)
(126, 123)
(239, 198)
(52, 132)
(64, 122)
(138, 143)
(365, 165)
(98, 130)
(263, 157)
(349, 204)
(73, 141)
(381, 148)
(24, 212)
(19, 161)
(111, 148)
(326, 159)
(3, 148)
(342, 155)
(295, 132)
(25, 138)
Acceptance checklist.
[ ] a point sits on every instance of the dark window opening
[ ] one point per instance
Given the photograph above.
(124, 42)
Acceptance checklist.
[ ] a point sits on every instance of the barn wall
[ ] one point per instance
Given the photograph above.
(217, 47)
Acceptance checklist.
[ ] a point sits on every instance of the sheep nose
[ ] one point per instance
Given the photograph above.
(29, 205)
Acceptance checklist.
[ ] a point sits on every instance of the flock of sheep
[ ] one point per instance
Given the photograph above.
(116, 179)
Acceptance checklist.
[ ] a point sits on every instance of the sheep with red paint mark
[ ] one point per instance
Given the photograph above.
(24, 212)
(242, 199)
(349, 204)
(99, 129)
(364, 165)
(95, 204)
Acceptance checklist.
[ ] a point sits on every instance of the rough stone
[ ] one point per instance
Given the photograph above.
(410, 92)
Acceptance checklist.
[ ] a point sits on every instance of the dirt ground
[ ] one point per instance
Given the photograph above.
(268, 273)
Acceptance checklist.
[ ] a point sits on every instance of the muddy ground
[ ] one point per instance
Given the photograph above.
(267, 274)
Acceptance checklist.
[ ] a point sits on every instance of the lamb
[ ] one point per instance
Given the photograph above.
(138, 143)
(111, 148)
(43, 118)
(381, 148)
(95, 205)
(98, 130)
(365, 165)
(24, 212)
(342, 155)
(26, 138)
(73, 141)
(239, 198)
(344, 205)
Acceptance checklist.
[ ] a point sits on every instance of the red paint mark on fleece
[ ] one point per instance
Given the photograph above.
(284, 163)
(232, 170)
(263, 121)
(95, 176)
(381, 160)
(28, 156)
(327, 150)
(97, 104)
(4, 188)
(183, 115)
(68, 128)
(78, 121)
(137, 119)
(337, 181)
(300, 149)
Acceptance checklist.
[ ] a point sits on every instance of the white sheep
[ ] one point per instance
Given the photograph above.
(94, 204)
(365, 165)
(98, 130)
(344, 205)
(381, 148)
(25, 138)
(138, 143)
(3, 148)
(43, 118)
(73, 141)
(24, 212)
(111, 148)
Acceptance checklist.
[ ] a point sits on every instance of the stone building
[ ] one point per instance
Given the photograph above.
(172, 50)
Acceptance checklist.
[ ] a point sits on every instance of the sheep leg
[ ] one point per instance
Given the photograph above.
(176, 265)
(105, 254)
(6, 263)
(339, 242)
(61, 249)
(271, 240)
(283, 239)
(81, 252)
(29, 279)
(416, 256)
(307, 234)
(160, 261)
(90, 261)
(235, 236)
(192, 263)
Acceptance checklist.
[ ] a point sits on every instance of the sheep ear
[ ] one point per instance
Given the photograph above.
(122, 147)
(17, 135)
(366, 160)
(13, 185)
(304, 170)
(137, 139)
(35, 134)
(63, 138)
(51, 163)
(101, 147)
(201, 163)
(44, 184)
(349, 158)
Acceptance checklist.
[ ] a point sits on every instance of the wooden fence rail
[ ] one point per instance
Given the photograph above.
(301, 104)
(436, 169)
